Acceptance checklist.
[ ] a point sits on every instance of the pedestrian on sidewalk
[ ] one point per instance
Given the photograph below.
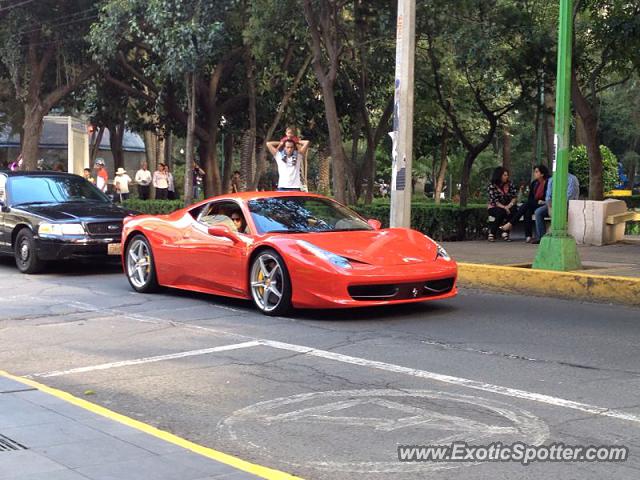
(143, 179)
(502, 201)
(573, 192)
(121, 184)
(289, 161)
(536, 199)
(161, 182)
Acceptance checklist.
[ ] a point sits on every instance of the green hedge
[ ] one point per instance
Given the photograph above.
(153, 207)
(444, 222)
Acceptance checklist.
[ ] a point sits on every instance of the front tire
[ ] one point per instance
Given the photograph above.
(270, 283)
(140, 266)
(26, 254)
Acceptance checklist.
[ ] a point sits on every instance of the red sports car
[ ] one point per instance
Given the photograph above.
(283, 250)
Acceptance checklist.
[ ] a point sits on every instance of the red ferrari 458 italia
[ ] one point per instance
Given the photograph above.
(283, 250)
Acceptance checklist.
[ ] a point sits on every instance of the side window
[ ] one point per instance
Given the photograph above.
(222, 213)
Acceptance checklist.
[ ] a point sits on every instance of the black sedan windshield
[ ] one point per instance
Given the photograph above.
(53, 189)
(303, 215)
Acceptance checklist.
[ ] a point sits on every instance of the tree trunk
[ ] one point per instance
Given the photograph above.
(191, 126)
(116, 136)
(324, 180)
(33, 122)
(150, 148)
(590, 123)
(213, 183)
(335, 142)
(442, 171)
(466, 176)
(95, 147)
(247, 155)
(227, 148)
(549, 126)
(370, 169)
(506, 147)
(581, 133)
(168, 150)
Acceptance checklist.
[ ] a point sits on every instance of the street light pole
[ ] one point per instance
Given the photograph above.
(402, 134)
(558, 249)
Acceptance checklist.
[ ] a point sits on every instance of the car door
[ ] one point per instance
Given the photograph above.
(5, 237)
(211, 262)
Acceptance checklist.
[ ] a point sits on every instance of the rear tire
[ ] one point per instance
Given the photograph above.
(26, 253)
(139, 265)
(270, 284)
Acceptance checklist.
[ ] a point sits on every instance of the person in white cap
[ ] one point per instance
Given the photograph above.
(121, 183)
(102, 177)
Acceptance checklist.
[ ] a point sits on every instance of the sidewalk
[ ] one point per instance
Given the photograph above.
(46, 434)
(610, 273)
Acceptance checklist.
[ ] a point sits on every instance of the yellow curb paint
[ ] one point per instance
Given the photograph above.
(574, 285)
(258, 470)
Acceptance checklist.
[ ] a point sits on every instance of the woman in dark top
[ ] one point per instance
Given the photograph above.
(502, 200)
(537, 195)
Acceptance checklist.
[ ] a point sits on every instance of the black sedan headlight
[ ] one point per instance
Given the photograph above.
(58, 230)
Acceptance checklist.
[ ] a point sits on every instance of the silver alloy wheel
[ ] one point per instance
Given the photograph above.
(24, 250)
(266, 282)
(138, 263)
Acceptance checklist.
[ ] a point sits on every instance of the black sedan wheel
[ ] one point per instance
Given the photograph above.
(270, 283)
(139, 264)
(26, 254)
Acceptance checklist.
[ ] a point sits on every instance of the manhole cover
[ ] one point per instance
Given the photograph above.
(9, 445)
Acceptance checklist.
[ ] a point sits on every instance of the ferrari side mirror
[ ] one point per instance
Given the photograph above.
(224, 232)
(375, 224)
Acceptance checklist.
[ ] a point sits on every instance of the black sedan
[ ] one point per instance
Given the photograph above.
(56, 216)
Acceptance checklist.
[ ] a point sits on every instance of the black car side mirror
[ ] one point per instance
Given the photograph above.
(3, 206)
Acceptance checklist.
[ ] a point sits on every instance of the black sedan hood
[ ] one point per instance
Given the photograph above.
(78, 211)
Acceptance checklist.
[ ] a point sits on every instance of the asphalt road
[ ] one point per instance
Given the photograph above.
(331, 395)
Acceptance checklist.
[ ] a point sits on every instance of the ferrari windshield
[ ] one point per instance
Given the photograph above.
(53, 189)
(303, 215)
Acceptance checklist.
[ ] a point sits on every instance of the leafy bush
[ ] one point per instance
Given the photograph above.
(579, 164)
(632, 228)
(153, 207)
(444, 222)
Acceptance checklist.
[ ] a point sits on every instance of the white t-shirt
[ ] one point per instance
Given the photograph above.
(122, 183)
(143, 177)
(288, 170)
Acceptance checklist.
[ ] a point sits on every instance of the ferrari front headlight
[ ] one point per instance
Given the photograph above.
(60, 229)
(442, 253)
(332, 258)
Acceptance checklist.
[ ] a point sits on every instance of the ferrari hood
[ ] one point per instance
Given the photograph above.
(393, 246)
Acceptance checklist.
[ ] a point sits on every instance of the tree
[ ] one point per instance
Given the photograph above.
(606, 39)
(43, 48)
(326, 22)
(482, 65)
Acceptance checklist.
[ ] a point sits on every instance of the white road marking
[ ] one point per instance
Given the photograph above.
(389, 367)
(139, 361)
(325, 414)
(458, 381)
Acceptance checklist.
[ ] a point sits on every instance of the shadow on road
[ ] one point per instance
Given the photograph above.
(72, 267)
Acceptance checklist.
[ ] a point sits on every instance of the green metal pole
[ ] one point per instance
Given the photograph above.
(558, 250)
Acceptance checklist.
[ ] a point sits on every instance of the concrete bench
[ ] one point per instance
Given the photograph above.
(598, 222)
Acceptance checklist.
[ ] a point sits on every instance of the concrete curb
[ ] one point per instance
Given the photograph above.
(572, 285)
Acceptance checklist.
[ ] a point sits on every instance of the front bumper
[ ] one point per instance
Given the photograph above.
(333, 288)
(77, 247)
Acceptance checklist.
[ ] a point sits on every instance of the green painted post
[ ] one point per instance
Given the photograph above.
(558, 249)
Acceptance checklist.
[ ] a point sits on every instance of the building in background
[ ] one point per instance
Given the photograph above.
(65, 141)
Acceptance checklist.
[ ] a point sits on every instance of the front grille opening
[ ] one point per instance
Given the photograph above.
(105, 228)
(9, 445)
(373, 292)
(436, 287)
(402, 291)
